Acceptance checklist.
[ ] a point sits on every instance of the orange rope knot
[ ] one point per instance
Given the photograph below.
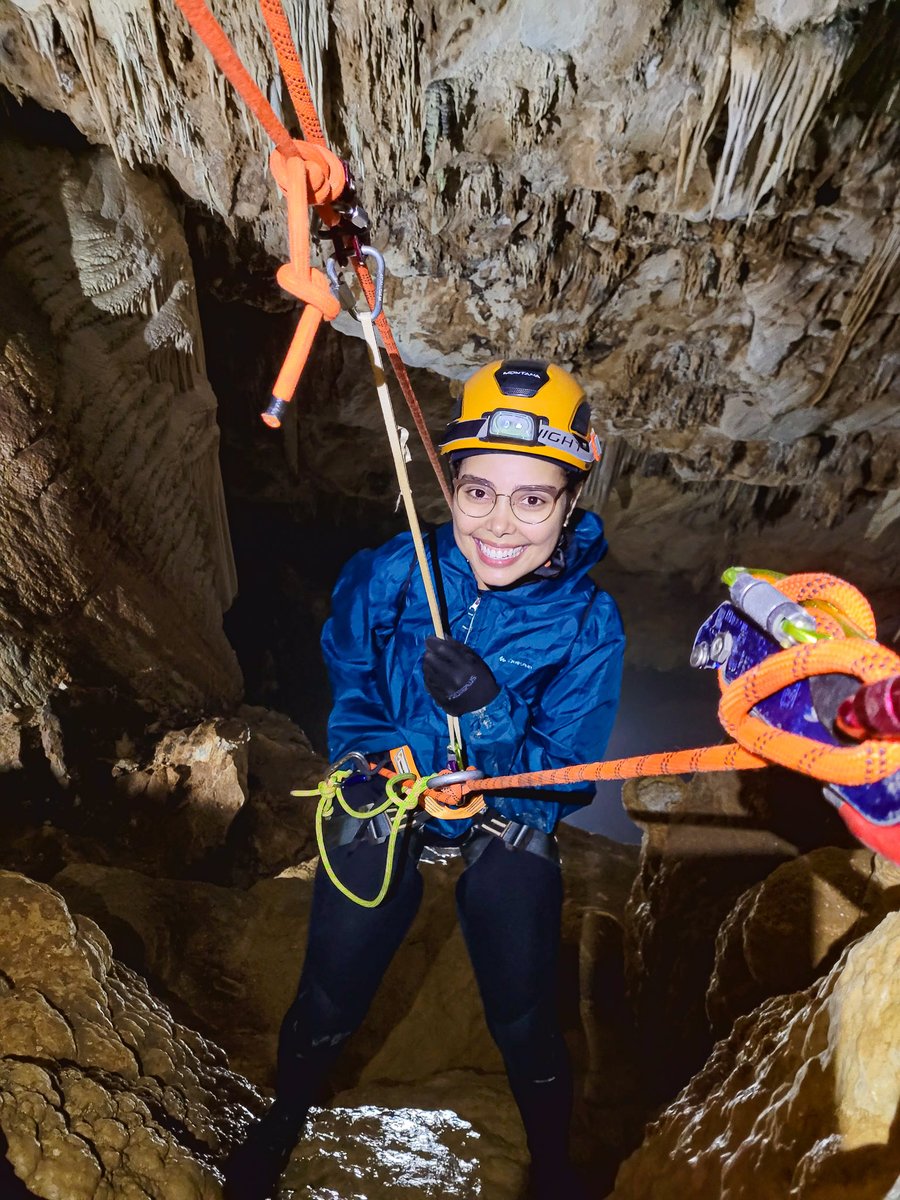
(837, 605)
(324, 176)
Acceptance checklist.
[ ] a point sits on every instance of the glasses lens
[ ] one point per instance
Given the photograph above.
(532, 507)
(475, 499)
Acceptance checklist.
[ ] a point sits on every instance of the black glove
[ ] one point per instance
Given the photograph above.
(457, 678)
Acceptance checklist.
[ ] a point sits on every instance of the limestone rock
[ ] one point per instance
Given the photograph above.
(229, 961)
(789, 929)
(800, 1100)
(190, 793)
(273, 829)
(102, 1093)
(458, 1135)
(706, 841)
(116, 562)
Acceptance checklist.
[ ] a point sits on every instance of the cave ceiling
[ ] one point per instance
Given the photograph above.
(691, 204)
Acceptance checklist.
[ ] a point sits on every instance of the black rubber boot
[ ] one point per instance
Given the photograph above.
(253, 1169)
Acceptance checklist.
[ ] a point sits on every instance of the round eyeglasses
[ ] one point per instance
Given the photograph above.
(532, 505)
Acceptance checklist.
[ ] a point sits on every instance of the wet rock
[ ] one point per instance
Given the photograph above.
(458, 1135)
(799, 1100)
(706, 841)
(102, 1093)
(789, 929)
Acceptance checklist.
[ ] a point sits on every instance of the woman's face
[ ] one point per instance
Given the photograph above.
(499, 546)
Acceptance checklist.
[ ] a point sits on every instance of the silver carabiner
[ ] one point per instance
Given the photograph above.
(359, 760)
(442, 781)
(341, 291)
(371, 252)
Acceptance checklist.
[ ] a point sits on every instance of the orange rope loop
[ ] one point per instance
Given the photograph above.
(836, 605)
(326, 182)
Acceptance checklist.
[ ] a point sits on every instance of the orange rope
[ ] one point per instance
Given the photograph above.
(297, 277)
(292, 69)
(214, 38)
(757, 744)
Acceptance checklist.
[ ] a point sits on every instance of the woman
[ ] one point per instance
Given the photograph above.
(531, 667)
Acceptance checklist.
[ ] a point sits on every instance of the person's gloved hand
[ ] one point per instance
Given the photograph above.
(457, 678)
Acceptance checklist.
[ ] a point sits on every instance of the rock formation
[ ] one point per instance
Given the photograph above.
(800, 1100)
(101, 1092)
(116, 559)
(693, 206)
(693, 209)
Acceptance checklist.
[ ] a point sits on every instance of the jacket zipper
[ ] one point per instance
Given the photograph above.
(471, 612)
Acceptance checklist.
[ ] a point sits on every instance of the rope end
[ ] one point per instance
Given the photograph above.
(274, 412)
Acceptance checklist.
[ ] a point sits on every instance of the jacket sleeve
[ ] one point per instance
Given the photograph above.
(365, 607)
(573, 717)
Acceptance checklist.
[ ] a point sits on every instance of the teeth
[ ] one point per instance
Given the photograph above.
(499, 555)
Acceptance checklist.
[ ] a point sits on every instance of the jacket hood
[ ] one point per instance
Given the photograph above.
(585, 547)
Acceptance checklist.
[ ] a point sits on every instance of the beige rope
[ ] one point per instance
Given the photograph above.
(390, 424)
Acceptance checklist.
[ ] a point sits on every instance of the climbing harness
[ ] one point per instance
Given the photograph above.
(770, 643)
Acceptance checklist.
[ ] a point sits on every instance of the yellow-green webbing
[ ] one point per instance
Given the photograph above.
(330, 789)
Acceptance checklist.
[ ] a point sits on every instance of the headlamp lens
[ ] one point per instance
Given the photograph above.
(512, 426)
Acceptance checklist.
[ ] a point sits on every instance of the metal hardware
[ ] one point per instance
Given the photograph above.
(771, 610)
(700, 654)
(359, 760)
(340, 289)
(442, 781)
(720, 648)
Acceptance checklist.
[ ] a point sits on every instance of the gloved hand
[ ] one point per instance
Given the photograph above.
(457, 678)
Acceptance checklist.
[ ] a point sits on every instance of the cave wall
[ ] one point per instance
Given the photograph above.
(116, 560)
(690, 204)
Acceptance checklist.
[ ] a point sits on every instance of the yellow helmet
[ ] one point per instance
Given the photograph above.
(526, 406)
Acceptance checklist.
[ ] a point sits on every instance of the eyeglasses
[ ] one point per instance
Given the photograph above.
(476, 498)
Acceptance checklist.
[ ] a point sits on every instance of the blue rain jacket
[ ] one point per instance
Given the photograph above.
(555, 647)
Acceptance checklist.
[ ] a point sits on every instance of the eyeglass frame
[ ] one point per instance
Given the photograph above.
(525, 487)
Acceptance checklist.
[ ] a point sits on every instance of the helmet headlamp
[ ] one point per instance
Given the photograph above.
(508, 425)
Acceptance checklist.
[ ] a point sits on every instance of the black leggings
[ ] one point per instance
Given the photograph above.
(509, 904)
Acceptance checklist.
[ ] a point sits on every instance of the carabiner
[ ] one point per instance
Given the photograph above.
(359, 760)
(339, 288)
(451, 777)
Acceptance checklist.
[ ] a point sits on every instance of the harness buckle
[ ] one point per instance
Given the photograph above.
(517, 835)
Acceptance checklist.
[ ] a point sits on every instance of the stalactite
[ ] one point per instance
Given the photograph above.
(862, 300)
(775, 91)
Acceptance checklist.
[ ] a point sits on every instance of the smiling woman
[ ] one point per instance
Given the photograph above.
(507, 518)
(531, 668)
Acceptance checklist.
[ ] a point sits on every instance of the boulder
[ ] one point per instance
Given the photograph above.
(789, 929)
(800, 1100)
(102, 1092)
